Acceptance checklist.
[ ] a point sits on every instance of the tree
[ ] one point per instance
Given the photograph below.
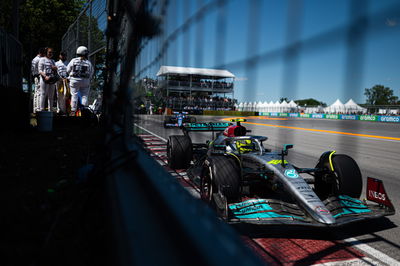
(283, 99)
(310, 102)
(380, 95)
(42, 23)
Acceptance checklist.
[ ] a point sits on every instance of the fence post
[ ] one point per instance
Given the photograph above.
(90, 27)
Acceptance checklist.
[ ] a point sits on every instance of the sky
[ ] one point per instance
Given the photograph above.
(331, 59)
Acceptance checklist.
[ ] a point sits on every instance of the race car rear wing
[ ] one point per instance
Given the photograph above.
(209, 126)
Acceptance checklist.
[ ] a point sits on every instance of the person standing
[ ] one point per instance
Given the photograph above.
(62, 88)
(48, 78)
(80, 71)
(36, 78)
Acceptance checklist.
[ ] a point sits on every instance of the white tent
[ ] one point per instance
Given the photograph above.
(292, 106)
(250, 106)
(261, 107)
(277, 106)
(244, 108)
(258, 106)
(270, 106)
(284, 106)
(336, 107)
(352, 107)
(247, 106)
(311, 110)
(240, 107)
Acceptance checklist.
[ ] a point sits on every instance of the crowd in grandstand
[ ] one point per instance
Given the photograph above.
(200, 103)
(215, 84)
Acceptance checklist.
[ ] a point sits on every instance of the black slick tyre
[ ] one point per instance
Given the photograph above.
(179, 152)
(346, 178)
(222, 173)
(348, 174)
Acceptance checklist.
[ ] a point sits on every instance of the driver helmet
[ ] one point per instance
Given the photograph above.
(245, 145)
(82, 51)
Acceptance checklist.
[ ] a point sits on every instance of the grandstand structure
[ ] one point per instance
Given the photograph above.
(197, 88)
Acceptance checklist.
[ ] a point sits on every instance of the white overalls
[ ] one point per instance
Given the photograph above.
(46, 89)
(80, 71)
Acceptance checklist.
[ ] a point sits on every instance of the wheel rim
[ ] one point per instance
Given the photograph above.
(206, 186)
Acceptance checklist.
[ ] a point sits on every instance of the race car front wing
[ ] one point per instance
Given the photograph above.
(343, 208)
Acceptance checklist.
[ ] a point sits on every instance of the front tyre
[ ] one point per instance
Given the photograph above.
(179, 152)
(220, 173)
(345, 179)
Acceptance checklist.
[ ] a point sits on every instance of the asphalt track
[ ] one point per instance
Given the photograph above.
(375, 146)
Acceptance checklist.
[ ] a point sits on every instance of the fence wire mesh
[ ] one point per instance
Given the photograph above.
(10, 61)
(89, 30)
(273, 48)
(276, 49)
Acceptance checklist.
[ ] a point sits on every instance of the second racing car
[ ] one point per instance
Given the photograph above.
(178, 119)
(246, 182)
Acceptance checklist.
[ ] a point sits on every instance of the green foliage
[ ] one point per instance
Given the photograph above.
(283, 99)
(42, 23)
(97, 36)
(380, 95)
(310, 102)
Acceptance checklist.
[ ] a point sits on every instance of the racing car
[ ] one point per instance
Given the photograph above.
(178, 119)
(246, 182)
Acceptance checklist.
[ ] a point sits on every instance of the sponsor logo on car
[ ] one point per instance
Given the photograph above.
(291, 173)
(377, 195)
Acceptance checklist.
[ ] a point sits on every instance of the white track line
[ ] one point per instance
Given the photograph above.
(353, 241)
(352, 262)
(151, 133)
(372, 251)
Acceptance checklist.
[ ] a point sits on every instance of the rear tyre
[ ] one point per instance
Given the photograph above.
(345, 180)
(179, 152)
(220, 173)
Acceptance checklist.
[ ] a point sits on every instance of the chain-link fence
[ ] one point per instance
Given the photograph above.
(10, 61)
(16, 102)
(89, 30)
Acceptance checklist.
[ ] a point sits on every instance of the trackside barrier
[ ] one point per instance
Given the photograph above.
(153, 219)
(375, 118)
(331, 116)
(318, 116)
(395, 119)
(349, 117)
(228, 113)
(368, 117)
(305, 115)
